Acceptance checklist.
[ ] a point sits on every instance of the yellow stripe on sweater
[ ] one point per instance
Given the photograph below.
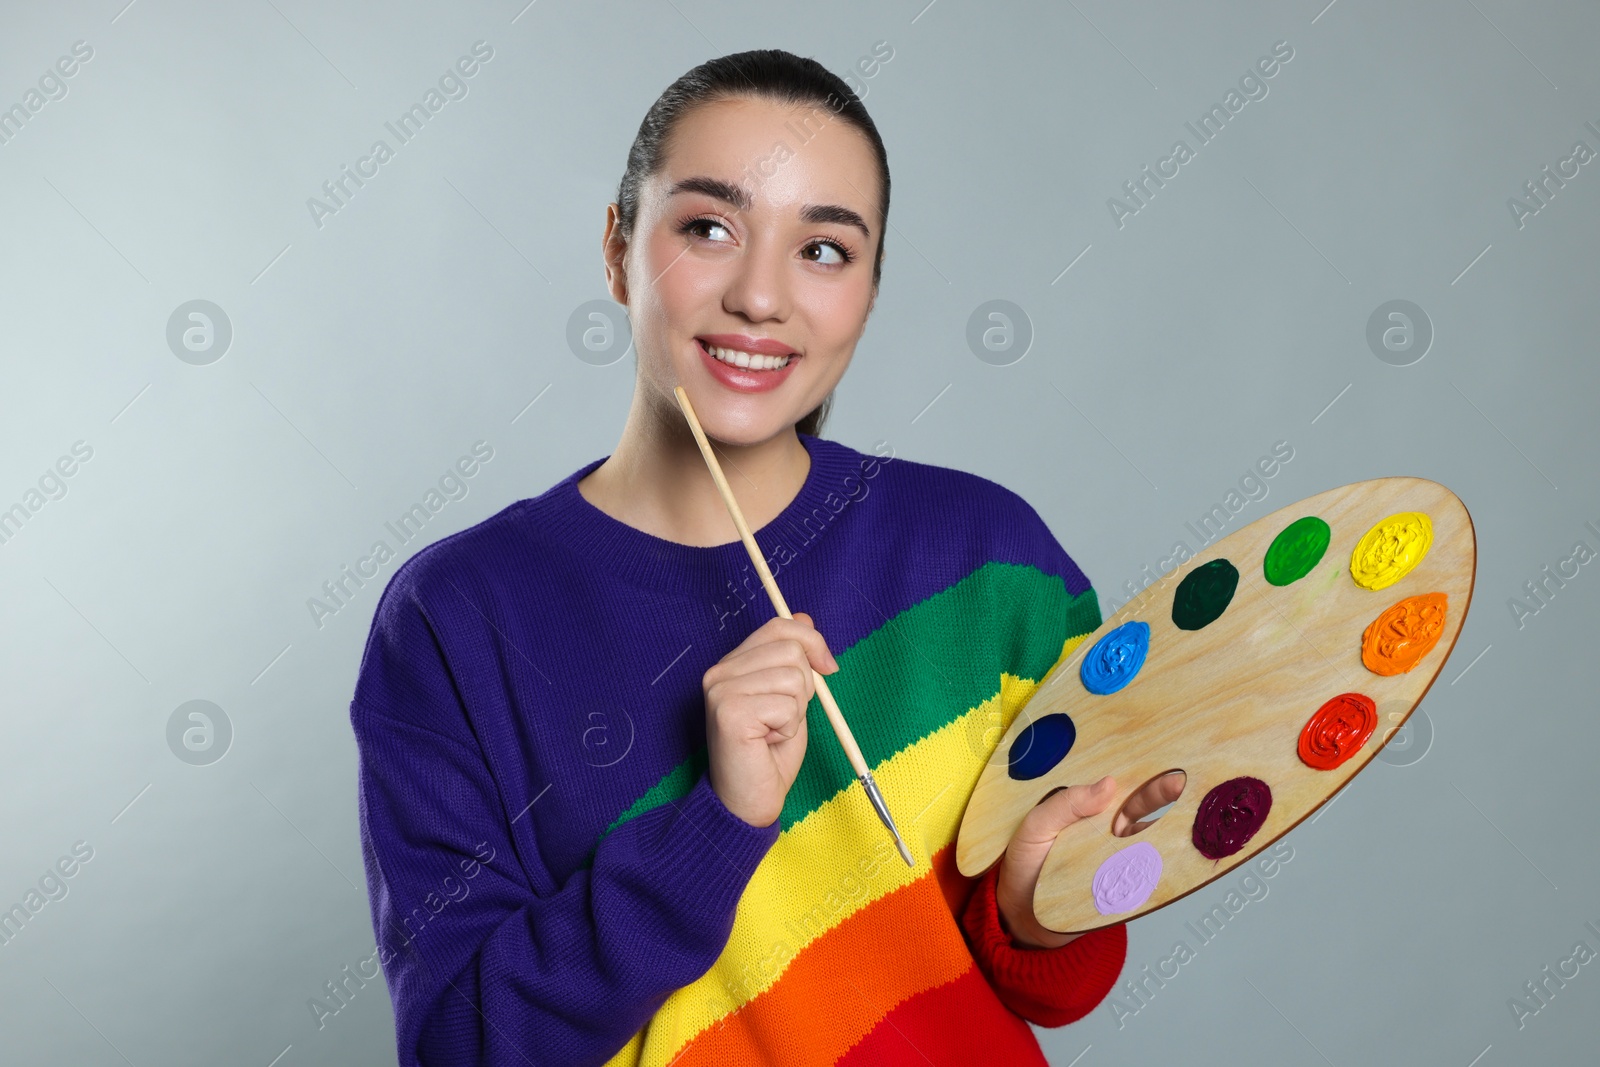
(833, 862)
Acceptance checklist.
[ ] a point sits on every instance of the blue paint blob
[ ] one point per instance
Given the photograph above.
(1115, 658)
(1040, 746)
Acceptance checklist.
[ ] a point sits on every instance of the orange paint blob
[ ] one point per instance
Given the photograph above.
(1397, 640)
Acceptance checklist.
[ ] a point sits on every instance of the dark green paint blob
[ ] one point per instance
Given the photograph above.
(1204, 594)
(1296, 550)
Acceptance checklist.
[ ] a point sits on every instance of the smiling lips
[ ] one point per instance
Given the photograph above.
(746, 364)
(747, 353)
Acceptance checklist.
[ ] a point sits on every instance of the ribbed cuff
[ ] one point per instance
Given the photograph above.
(709, 852)
(1050, 987)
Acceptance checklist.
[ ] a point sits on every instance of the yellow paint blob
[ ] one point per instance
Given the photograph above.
(1389, 551)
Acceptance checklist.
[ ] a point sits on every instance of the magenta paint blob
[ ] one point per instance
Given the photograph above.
(1127, 878)
(1230, 815)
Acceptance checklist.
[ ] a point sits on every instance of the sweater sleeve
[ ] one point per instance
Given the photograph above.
(1051, 987)
(487, 960)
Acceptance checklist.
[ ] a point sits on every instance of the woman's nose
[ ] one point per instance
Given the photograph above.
(759, 287)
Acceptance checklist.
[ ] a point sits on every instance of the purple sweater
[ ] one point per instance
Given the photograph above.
(546, 861)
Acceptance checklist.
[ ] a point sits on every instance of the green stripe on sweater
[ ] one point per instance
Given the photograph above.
(922, 669)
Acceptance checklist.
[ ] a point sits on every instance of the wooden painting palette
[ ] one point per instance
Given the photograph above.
(1270, 668)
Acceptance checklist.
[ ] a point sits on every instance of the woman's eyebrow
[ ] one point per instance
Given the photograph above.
(732, 193)
(727, 192)
(843, 216)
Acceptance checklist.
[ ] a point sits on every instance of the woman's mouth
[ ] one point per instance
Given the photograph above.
(750, 360)
(746, 364)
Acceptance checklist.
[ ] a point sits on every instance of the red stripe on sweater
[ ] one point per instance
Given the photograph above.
(958, 1023)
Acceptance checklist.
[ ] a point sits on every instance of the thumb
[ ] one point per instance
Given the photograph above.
(1065, 807)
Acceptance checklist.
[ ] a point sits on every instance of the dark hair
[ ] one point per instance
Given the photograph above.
(769, 73)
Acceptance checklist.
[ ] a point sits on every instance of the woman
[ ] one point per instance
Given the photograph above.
(598, 821)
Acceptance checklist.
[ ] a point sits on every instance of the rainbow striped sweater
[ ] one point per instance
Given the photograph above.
(552, 879)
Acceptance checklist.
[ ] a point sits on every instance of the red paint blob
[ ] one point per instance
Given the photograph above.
(1337, 731)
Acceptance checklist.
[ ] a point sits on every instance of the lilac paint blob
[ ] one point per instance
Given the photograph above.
(1127, 878)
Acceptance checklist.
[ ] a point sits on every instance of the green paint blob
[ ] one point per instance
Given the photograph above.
(1296, 550)
(1204, 594)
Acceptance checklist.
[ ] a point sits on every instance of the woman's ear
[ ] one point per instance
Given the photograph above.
(614, 250)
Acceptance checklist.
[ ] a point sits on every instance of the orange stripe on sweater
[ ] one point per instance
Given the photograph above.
(844, 983)
(956, 887)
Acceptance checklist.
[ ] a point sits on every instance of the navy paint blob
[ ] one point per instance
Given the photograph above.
(1115, 658)
(1041, 745)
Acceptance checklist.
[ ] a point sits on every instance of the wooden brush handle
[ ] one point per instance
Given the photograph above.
(841, 729)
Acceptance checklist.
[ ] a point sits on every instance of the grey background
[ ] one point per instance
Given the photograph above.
(368, 354)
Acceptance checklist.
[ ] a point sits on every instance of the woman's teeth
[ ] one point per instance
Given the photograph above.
(747, 360)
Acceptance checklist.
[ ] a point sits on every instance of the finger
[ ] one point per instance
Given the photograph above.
(784, 677)
(774, 718)
(756, 717)
(766, 654)
(1170, 785)
(1156, 793)
(788, 682)
(811, 639)
(786, 651)
(809, 645)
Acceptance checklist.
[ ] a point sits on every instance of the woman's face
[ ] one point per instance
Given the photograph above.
(753, 244)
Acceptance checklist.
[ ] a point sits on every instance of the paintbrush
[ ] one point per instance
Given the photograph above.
(841, 729)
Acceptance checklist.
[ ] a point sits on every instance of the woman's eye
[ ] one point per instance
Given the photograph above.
(707, 228)
(826, 253)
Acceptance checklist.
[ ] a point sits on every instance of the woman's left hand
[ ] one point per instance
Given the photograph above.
(1019, 868)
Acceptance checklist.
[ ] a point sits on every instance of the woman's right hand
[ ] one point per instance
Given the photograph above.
(756, 700)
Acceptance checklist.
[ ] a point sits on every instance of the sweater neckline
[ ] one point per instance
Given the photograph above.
(611, 545)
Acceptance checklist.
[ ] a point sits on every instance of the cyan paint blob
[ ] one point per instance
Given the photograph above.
(1115, 658)
(1041, 745)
